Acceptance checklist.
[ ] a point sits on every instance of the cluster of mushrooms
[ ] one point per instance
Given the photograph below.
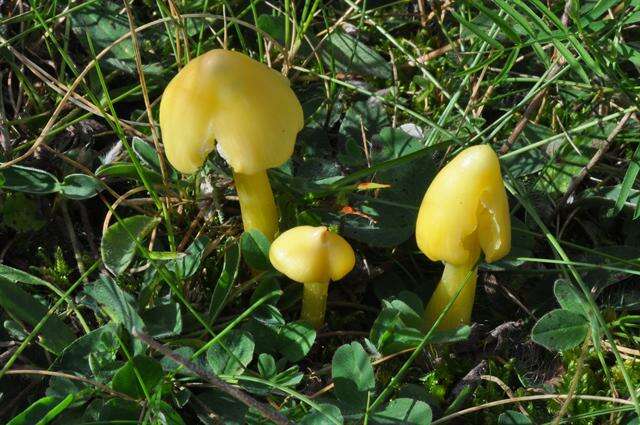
(245, 110)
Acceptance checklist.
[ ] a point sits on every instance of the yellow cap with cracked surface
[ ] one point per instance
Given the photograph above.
(466, 210)
(309, 254)
(227, 98)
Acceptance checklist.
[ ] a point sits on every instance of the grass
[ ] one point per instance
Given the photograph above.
(391, 90)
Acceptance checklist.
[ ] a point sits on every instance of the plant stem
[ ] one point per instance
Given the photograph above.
(460, 313)
(314, 303)
(256, 203)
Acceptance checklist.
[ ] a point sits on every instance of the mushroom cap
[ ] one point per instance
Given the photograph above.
(226, 97)
(309, 254)
(465, 210)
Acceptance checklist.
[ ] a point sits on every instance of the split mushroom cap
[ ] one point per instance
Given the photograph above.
(309, 254)
(226, 97)
(466, 210)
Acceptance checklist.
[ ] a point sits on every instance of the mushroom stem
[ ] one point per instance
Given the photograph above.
(256, 203)
(460, 312)
(314, 303)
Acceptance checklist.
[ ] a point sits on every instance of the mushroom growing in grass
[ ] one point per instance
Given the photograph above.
(312, 256)
(226, 100)
(465, 211)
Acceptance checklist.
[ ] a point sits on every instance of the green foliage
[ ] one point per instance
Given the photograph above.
(347, 54)
(24, 308)
(352, 375)
(511, 417)
(42, 411)
(295, 340)
(138, 377)
(117, 304)
(232, 355)
(255, 249)
(39, 182)
(405, 411)
(560, 330)
(119, 243)
(20, 213)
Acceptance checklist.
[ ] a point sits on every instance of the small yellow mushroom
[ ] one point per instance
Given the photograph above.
(245, 107)
(312, 256)
(465, 211)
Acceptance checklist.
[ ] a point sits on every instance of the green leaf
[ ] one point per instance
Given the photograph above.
(42, 411)
(560, 330)
(478, 31)
(21, 213)
(126, 381)
(397, 327)
(117, 246)
(29, 180)
(146, 153)
(295, 340)
(391, 214)
(348, 54)
(80, 186)
(370, 116)
(403, 411)
(22, 307)
(237, 356)
(171, 365)
(230, 410)
(163, 321)
(126, 170)
(629, 179)
(20, 276)
(352, 374)
(569, 298)
(264, 325)
(92, 355)
(255, 249)
(115, 302)
(116, 409)
(320, 417)
(104, 23)
(267, 365)
(272, 25)
(188, 264)
(166, 255)
(511, 417)
(170, 416)
(228, 275)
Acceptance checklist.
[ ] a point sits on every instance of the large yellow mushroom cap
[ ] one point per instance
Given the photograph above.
(465, 210)
(309, 254)
(225, 96)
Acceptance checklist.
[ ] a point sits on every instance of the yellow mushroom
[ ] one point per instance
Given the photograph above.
(246, 108)
(465, 211)
(312, 256)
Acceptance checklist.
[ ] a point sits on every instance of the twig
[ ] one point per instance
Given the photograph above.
(265, 410)
(529, 398)
(532, 108)
(499, 382)
(423, 13)
(577, 179)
